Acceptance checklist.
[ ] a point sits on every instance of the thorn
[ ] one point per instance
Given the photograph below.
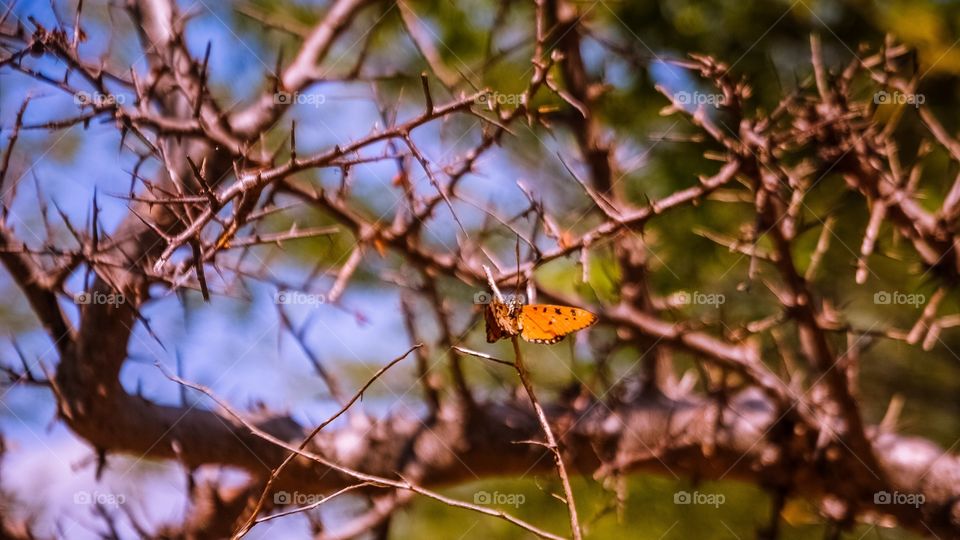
(426, 93)
(293, 141)
(95, 228)
(198, 266)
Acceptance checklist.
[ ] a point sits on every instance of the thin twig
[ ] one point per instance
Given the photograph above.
(276, 472)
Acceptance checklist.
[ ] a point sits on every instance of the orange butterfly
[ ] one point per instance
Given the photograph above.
(536, 323)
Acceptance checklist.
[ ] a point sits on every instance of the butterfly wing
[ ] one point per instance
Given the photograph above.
(494, 329)
(546, 323)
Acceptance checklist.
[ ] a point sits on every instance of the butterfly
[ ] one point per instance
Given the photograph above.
(536, 323)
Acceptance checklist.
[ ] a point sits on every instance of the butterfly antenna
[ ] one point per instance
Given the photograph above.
(517, 255)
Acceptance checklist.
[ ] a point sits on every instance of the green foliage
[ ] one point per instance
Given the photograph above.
(647, 510)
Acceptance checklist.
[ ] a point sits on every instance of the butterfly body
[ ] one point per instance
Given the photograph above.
(536, 323)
